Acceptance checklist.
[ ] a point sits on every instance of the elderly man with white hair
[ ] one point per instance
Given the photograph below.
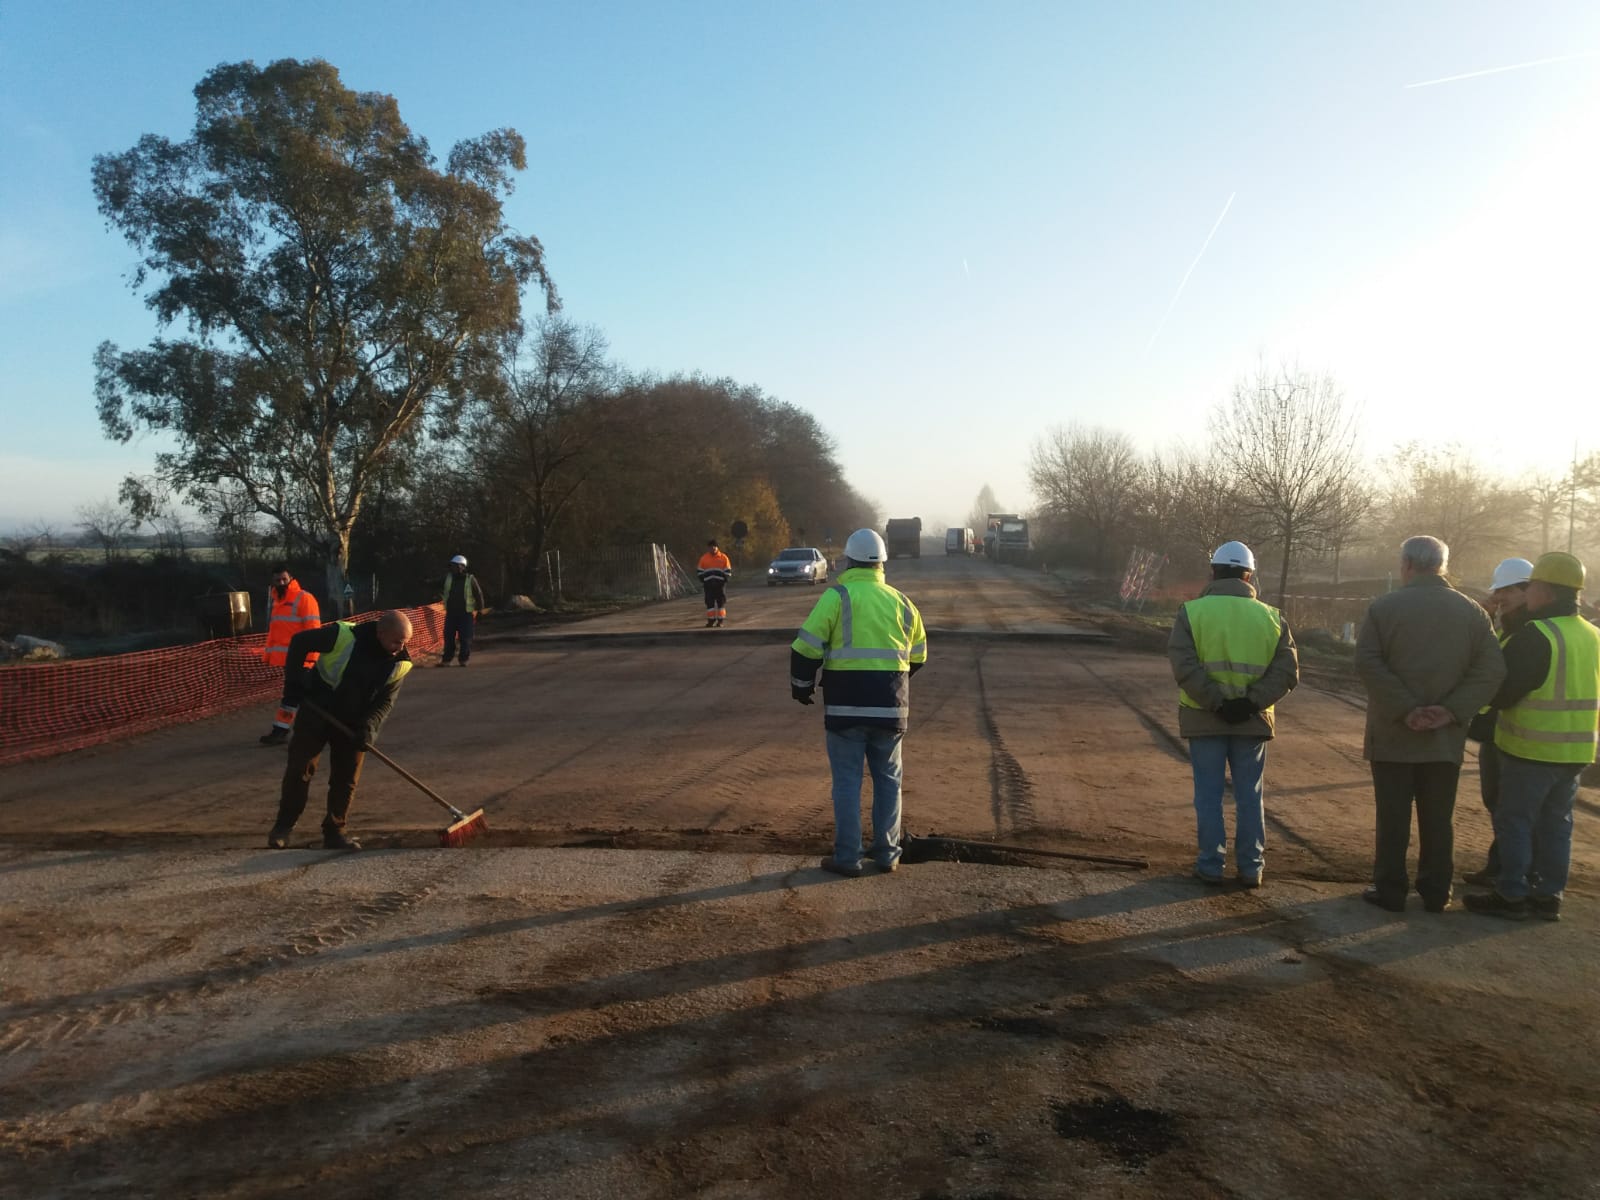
(1429, 658)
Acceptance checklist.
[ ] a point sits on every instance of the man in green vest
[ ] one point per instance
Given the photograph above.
(355, 682)
(1233, 658)
(1545, 735)
(868, 641)
(463, 601)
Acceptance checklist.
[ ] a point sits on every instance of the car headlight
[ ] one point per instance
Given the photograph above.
(772, 570)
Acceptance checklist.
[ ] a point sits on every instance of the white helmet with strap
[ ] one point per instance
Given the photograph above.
(865, 546)
(1510, 572)
(1234, 554)
(459, 560)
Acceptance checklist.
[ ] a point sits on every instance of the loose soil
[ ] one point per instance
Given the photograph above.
(587, 1002)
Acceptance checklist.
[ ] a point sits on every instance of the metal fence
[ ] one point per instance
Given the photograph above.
(646, 571)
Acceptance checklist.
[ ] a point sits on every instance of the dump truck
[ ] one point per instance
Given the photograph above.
(1006, 538)
(903, 535)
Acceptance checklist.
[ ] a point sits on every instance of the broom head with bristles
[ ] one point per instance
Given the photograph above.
(468, 827)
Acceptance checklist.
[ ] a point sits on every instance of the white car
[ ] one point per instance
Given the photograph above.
(798, 564)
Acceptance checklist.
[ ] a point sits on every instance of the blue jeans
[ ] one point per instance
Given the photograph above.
(880, 750)
(1533, 825)
(1209, 757)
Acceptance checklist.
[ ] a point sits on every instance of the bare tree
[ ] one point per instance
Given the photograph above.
(1549, 501)
(1290, 441)
(106, 525)
(1443, 491)
(1089, 478)
(1347, 519)
(983, 504)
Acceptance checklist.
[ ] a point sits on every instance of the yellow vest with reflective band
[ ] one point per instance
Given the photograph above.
(331, 666)
(1556, 722)
(470, 592)
(862, 625)
(1236, 638)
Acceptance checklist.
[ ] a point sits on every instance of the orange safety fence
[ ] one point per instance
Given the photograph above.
(50, 708)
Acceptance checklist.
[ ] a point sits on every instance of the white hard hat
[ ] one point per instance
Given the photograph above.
(865, 546)
(1511, 572)
(459, 560)
(1234, 554)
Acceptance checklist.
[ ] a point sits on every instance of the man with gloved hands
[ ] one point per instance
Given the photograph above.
(1233, 658)
(867, 640)
(355, 681)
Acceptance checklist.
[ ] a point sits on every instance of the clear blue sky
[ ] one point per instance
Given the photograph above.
(940, 227)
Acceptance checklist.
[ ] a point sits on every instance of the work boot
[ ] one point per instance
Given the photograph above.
(720, 622)
(277, 736)
(335, 839)
(1546, 908)
(1493, 904)
(848, 870)
(1386, 902)
(278, 839)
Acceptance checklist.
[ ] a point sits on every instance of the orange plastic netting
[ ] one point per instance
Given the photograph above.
(49, 708)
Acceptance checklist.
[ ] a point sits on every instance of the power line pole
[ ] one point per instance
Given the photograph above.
(1572, 496)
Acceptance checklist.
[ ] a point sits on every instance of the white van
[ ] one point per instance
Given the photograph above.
(958, 541)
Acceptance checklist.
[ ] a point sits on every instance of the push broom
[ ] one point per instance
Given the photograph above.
(465, 826)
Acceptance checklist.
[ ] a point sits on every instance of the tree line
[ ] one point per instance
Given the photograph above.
(1282, 469)
(348, 374)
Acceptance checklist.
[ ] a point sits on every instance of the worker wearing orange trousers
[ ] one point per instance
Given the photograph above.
(293, 609)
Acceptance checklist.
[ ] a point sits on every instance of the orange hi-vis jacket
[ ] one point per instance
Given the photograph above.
(294, 611)
(715, 565)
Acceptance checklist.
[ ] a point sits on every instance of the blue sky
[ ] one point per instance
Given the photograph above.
(942, 228)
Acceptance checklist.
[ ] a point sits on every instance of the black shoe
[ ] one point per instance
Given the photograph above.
(463, 662)
(278, 839)
(1373, 896)
(890, 867)
(445, 662)
(277, 737)
(1546, 908)
(839, 868)
(1493, 904)
(710, 621)
(1483, 878)
(721, 621)
(1249, 882)
(1435, 906)
(1209, 880)
(334, 839)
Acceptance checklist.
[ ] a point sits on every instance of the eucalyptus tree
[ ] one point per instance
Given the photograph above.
(338, 293)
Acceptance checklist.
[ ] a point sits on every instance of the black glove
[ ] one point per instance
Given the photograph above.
(364, 737)
(804, 695)
(1237, 710)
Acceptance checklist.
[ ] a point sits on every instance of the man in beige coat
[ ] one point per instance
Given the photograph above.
(1233, 658)
(1429, 659)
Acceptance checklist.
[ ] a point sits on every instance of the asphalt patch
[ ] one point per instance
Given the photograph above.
(1135, 1135)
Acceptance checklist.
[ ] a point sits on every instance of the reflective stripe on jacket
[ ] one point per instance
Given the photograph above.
(295, 610)
(1557, 721)
(867, 637)
(714, 567)
(331, 666)
(1235, 638)
(471, 592)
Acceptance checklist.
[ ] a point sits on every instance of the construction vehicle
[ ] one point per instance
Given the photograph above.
(1006, 538)
(903, 535)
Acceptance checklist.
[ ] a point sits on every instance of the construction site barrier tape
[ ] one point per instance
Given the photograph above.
(51, 708)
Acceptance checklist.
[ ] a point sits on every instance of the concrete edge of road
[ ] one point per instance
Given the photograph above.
(783, 633)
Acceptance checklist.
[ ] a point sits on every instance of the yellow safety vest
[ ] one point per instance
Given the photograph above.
(469, 591)
(331, 666)
(1557, 721)
(1236, 638)
(867, 632)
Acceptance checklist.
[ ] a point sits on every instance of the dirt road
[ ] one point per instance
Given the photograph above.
(182, 1012)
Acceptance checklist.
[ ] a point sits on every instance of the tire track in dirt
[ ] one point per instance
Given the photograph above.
(1010, 789)
(57, 1021)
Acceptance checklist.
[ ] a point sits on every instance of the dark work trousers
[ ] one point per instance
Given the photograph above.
(1489, 784)
(1432, 787)
(454, 624)
(311, 735)
(716, 598)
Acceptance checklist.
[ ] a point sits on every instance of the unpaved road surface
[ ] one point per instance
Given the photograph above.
(183, 1012)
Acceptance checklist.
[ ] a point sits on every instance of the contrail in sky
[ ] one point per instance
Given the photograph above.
(1189, 272)
(966, 269)
(1538, 62)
